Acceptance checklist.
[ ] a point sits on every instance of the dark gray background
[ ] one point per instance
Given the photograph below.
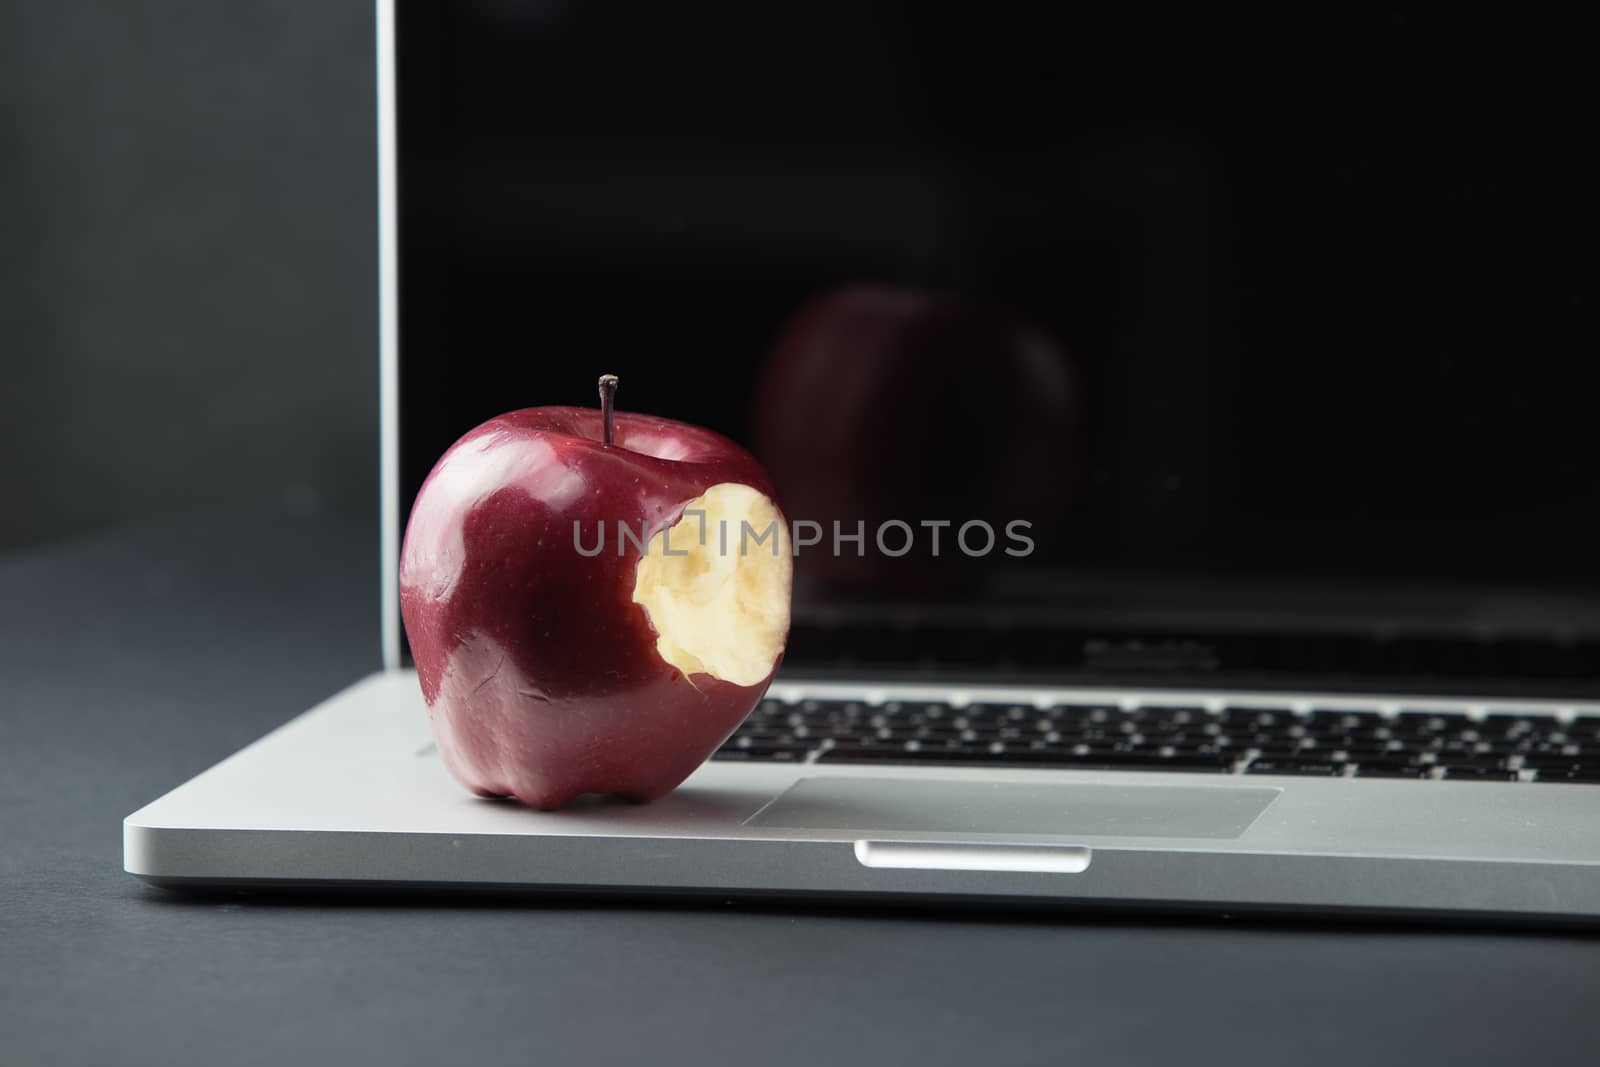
(187, 305)
(136, 659)
(187, 259)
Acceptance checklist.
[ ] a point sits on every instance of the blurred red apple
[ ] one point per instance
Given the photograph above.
(551, 669)
(879, 403)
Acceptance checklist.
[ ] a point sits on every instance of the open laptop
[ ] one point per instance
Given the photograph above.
(1267, 336)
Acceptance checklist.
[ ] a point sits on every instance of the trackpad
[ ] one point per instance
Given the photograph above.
(1054, 809)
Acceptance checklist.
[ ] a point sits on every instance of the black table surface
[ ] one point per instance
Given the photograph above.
(132, 660)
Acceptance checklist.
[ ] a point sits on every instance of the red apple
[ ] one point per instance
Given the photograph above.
(937, 406)
(550, 669)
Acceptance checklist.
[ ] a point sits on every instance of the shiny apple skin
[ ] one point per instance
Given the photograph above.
(540, 673)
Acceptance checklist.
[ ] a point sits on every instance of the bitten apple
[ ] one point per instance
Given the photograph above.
(551, 668)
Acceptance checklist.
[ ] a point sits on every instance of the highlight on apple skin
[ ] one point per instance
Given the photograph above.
(550, 672)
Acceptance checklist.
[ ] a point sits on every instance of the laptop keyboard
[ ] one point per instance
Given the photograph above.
(1327, 742)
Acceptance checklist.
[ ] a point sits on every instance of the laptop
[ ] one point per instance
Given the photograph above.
(1264, 339)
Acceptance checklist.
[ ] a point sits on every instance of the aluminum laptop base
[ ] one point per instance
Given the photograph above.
(352, 794)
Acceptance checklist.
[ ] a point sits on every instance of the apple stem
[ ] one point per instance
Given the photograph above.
(608, 397)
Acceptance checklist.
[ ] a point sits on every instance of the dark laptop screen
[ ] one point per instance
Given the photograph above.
(1261, 329)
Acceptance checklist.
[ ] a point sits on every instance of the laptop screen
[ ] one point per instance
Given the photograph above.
(1129, 345)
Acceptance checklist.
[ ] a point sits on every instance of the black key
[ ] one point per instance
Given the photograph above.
(1296, 767)
(1170, 727)
(998, 712)
(1571, 777)
(1400, 768)
(1434, 720)
(1562, 763)
(1393, 770)
(1139, 762)
(921, 712)
(1450, 743)
(1111, 746)
(1030, 759)
(1486, 762)
(1008, 734)
(768, 746)
(1556, 755)
(1347, 717)
(1479, 774)
(779, 755)
(1509, 720)
(1528, 744)
(907, 730)
(879, 744)
(756, 755)
(847, 711)
(1358, 749)
(758, 737)
(1183, 712)
(1153, 755)
(1332, 734)
(899, 755)
(1181, 736)
(819, 711)
(1205, 747)
(1279, 750)
(1083, 711)
(1256, 716)
(842, 730)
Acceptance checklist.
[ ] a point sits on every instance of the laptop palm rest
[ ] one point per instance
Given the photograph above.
(1043, 808)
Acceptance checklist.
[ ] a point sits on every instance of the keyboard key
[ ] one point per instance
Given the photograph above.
(830, 711)
(1296, 767)
(745, 737)
(1582, 757)
(1363, 749)
(769, 744)
(1255, 716)
(1183, 764)
(1396, 770)
(1200, 747)
(1479, 774)
(871, 741)
(1279, 750)
(1507, 721)
(999, 713)
(1100, 712)
(1590, 777)
(1174, 712)
(920, 712)
(1032, 759)
(1434, 720)
(1487, 761)
(1349, 717)
(759, 755)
